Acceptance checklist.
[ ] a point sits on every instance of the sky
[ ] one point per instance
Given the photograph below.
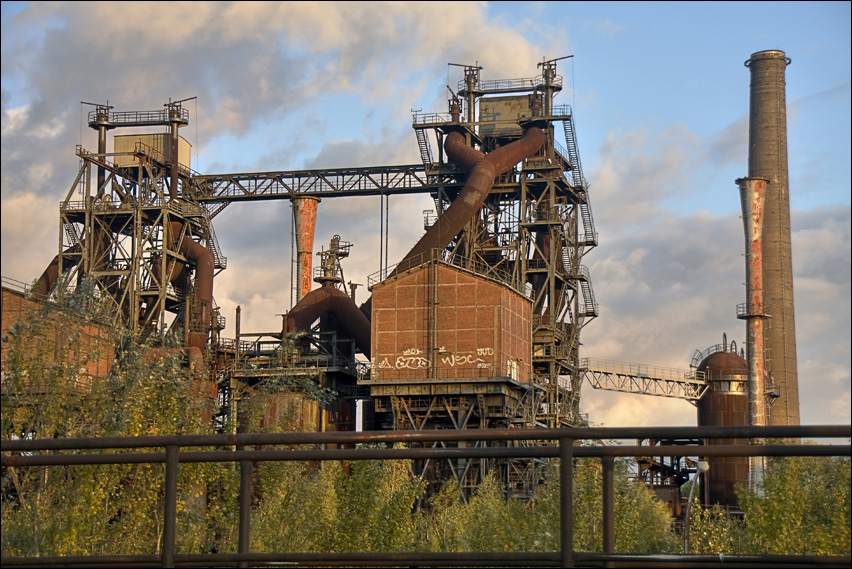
(660, 97)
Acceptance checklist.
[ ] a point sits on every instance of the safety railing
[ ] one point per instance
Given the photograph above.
(558, 444)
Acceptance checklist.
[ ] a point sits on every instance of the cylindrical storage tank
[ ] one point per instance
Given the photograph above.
(724, 404)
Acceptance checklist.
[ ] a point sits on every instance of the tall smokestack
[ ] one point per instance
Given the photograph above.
(767, 158)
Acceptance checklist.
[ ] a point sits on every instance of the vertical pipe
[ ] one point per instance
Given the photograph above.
(173, 153)
(752, 197)
(170, 513)
(98, 249)
(237, 336)
(381, 233)
(608, 463)
(470, 80)
(387, 224)
(566, 501)
(101, 152)
(767, 158)
(305, 215)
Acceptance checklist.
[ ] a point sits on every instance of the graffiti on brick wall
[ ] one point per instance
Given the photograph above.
(413, 358)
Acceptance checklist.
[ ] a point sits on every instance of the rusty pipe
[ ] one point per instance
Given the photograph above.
(204, 265)
(752, 197)
(44, 285)
(305, 216)
(352, 320)
(484, 168)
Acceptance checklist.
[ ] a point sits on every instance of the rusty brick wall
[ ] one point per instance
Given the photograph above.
(15, 307)
(441, 322)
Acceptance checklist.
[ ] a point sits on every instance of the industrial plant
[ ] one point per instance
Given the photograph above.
(478, 326)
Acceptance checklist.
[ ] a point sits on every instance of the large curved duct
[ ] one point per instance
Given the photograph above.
(352, 320)
(484, 168)
(45, 283)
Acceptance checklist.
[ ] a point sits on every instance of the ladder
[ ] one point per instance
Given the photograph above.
(590, 236)
(423, 144)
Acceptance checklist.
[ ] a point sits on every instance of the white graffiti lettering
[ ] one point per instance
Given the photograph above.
(411, 362)
(460, 359)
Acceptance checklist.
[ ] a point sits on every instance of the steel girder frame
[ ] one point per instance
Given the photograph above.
(115, 235)
(520, 477)
(550, 251)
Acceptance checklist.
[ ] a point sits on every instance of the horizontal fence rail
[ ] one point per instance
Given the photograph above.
(562, 444)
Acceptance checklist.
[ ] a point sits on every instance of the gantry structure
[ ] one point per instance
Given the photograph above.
(127, 224)
(138, 221)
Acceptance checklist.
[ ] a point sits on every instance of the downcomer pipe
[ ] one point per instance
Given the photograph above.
(483, 170)
(767, 158)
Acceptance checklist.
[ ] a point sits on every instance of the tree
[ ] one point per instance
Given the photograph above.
(72, 371)
(800, 507)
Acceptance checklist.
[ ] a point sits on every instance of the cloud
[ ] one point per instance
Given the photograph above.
(609, 28)
(637, 170)
(29, 239)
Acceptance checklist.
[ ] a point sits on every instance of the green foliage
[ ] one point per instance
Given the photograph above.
(72, 372)
(716, 531)
(488, 522)
(802, 507)
(642, 522)
(366, 506)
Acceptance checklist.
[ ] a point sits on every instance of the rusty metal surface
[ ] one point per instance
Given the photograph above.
(725, 404)
(438, 319)
(353, 322)
(305, 218)
(752, 194)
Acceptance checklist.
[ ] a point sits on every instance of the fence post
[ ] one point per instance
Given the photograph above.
(566, 501)
(246, 467)
(170, 514)
(608, 463)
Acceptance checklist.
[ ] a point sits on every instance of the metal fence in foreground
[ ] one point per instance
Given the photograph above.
(559, 444)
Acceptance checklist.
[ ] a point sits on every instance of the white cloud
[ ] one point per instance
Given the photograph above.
(609, 28)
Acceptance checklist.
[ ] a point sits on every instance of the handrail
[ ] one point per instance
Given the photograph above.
(559, 443)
